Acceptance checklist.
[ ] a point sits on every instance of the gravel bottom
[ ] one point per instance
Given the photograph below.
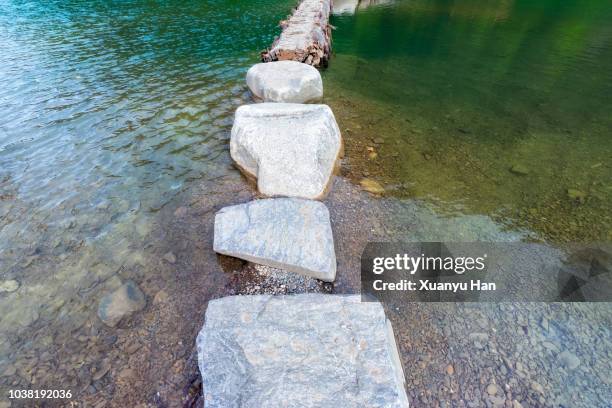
(253, 279)
(505, 355)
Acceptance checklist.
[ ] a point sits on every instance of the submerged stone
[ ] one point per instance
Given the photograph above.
(569, 360)
(519, 169)
(285, 81)
(9, 286)
(307, 351)
(170, 258)
(121, 303)
(577, 195)
(291, 149)
(372, 186)
(286, 233)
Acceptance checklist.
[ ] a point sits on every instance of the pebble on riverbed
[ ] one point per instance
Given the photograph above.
(569, 360)
(519, 169)
(9, 286)
(372, 186)
(170, 258)
(576, 195)
(121, 303)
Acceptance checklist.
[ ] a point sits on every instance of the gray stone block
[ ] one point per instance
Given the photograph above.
(286, 233)
(285, 81)
(291, 149)
(305, 351)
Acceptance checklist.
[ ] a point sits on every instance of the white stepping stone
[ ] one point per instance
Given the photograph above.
(285, 81)
(291, 149)
(306, 351)
(285, 233)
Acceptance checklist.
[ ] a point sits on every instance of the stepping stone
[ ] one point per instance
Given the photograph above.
(306, 351)
(285, 233)
(291, 149)
(285, 81)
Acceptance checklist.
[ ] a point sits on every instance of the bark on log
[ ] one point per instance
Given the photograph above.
(306, 35)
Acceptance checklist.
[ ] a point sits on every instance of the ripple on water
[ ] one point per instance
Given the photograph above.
(110, 111)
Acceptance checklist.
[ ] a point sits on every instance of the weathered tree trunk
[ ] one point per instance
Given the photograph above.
(306, 35)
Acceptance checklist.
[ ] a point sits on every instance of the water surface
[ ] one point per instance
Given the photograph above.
(113, 114)
(499, 108)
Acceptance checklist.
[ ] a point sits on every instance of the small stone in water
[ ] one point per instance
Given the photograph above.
(574, 194)
(160, 297)
(450, 370)
(492, 389)
(9, 286)
(519, 169)
(569, 360)
(170, 257)
(371, 186)
(122, 302)
(105, 368)
(379, 140)
(537, 387)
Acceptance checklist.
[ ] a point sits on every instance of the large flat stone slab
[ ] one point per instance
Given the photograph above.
(286, 233)
(291, 149)
(305, 351)
(285, 81)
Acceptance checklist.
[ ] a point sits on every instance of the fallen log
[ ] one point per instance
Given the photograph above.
(306, 35)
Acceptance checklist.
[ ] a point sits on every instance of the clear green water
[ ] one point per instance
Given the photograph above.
(111, 112)
(451, 95)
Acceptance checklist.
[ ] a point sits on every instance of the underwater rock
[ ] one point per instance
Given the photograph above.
(519, 169)
(9, 286)
(291, 149)
(577, 195)
(568, 360)
(285, 81)
(170, 257)
(286, 233)
(307, 351)
(371, 186)
(121, 303)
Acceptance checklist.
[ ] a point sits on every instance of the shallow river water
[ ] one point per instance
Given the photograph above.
(482, 122)
(501, 108)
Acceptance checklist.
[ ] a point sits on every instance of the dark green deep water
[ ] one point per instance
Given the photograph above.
(114, 128)
(460, 92)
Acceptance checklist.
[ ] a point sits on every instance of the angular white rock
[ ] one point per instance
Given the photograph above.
(291, 149)
(285, 81)
(121, 303)
(285, 233)
(306, 351)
